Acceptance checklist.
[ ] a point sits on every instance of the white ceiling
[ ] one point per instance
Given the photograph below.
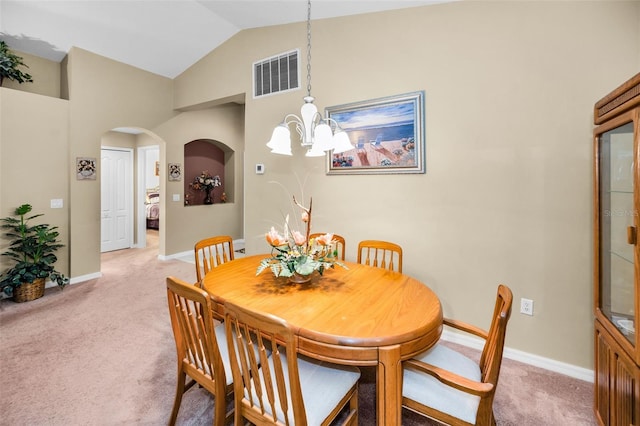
(164, 37)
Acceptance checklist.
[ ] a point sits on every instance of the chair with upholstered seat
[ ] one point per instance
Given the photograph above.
(287, 388)
(201, 347)
(381, 254)
(338, 239)
(445, 385)
(212, 252)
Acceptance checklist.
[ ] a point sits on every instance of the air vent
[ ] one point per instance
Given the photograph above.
(276, 74)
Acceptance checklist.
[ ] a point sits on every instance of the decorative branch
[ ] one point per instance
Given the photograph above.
(308, 212)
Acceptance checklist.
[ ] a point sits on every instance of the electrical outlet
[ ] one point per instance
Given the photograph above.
(526, 306)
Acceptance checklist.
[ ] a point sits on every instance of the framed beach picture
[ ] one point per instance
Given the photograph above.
(388, 135)
(85, 168)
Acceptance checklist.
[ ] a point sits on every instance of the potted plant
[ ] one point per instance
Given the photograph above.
(9, 63)
(32, 250)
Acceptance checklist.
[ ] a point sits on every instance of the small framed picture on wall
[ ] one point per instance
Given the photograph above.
(85, 168)
(175, 172)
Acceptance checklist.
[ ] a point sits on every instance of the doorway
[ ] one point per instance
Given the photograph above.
(148, 184)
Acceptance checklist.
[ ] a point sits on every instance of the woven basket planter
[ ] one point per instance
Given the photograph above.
(29, 291)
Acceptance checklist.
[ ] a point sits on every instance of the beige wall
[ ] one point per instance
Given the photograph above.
(45, 75)
(184, 226)
(144, 139)
(507, 196)
(104, 95)
(34, 162)
(119, 140)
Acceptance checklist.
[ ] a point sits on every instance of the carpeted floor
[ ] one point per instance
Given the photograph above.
(102, 353)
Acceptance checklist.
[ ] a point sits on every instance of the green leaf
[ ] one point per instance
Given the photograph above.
(306, 268)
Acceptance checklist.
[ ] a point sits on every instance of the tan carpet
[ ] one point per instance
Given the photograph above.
(102, 353)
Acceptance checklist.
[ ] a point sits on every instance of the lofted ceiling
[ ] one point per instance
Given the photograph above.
(163, 36)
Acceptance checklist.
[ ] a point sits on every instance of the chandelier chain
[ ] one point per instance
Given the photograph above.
(309, 48)
(314, 130)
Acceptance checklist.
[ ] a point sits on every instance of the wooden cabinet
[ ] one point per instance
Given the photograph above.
(617, 256)
(617, 382)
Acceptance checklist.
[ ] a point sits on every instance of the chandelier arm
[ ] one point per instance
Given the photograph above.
(317, 118)
(299, 124)
(291, 118)
(331, 121)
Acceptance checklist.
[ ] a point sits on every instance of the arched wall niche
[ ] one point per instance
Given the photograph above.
(212, 157)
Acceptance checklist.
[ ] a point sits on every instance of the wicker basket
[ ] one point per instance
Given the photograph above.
(29, 291)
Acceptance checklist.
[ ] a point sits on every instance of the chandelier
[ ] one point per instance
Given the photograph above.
(315, 131)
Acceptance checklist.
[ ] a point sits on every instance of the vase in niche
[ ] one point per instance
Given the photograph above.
(208, 199)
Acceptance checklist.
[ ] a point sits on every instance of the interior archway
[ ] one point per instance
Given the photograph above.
(147, 170)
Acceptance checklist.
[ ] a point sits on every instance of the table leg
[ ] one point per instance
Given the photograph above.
(389, 387)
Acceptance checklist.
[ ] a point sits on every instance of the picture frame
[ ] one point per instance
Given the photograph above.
(174, 172)
(388, 135)
(86, 168)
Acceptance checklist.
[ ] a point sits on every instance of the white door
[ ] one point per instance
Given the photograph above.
(116, 199)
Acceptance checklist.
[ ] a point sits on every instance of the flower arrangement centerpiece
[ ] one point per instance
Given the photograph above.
(294, 255)
(205, 182)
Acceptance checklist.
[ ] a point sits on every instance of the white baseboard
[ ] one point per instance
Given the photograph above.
(76, 280)
(83, 278)
(176, 255)
(538, 361)
(236, 243)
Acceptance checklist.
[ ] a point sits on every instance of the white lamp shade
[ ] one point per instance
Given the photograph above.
(282, 151)
(341, 142)
(322, 137)
(315, 151)
(280, 142)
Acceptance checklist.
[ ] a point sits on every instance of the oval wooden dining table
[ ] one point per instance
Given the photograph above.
(363, 316)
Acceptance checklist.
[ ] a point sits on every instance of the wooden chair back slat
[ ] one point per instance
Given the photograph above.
(264, 360)
(198, 353)
(212, 252)
(257, 401)
(381, 254)
(491, 358)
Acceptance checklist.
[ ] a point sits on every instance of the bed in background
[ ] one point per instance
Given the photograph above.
(152, 205)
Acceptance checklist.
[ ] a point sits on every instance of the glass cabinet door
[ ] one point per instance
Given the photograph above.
(618, 215)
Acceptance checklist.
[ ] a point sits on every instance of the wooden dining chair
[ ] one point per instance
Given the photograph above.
(445, 385)
(200, 356)
(382, 254)
(287, 388)
(340, 243)
(212, 252)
